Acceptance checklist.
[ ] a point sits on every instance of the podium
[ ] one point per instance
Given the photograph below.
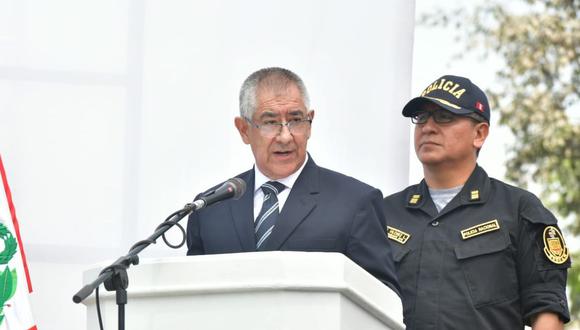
(260, 290)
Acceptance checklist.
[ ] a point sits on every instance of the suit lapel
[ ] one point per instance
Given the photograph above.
(243, 214)
(301, 201)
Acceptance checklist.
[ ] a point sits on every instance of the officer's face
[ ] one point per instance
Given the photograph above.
(452, 144)
(282, 154)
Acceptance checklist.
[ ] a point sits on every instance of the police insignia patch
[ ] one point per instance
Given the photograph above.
(414, 199)
(397, 235)
(554, 245)
(474, 195)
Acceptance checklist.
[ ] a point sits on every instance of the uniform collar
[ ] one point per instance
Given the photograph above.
(475, 191)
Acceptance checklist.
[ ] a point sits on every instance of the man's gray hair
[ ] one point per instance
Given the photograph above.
(274, 78)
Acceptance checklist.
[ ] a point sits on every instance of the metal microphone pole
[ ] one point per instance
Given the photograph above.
(115, 276)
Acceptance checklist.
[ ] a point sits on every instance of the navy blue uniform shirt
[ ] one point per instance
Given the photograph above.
(491, 259)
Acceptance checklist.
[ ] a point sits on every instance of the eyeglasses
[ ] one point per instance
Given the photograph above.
(442, 117)
(296, 126)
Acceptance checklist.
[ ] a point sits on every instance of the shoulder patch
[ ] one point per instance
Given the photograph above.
(397, 235)
(482, 228)
(555, 248)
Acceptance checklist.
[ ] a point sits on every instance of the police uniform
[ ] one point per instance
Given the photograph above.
(491, 259)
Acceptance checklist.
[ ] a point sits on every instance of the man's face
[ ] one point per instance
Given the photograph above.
(452, 143)
(280, 155)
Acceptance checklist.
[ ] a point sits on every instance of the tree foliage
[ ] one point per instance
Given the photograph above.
(537, 94)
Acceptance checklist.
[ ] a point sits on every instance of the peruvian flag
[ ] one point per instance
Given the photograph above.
(479, 106)
(15, 285)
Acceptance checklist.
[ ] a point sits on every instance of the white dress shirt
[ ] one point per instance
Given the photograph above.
(260, 179)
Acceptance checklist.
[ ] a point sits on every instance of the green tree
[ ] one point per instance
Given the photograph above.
(537, 95)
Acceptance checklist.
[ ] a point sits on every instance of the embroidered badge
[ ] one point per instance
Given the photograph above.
(554, 245)
(397, 235)
(474, 195)
(414, 199)
(480, 229)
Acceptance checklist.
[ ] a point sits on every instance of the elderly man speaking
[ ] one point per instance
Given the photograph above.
(292, 204)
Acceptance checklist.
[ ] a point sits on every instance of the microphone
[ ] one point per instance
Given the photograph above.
(233, 188)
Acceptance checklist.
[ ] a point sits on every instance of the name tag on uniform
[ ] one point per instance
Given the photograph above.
(397, 235)
(480, 229)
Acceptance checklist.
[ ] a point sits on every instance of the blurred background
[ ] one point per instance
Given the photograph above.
(525, 54)
(115, 113)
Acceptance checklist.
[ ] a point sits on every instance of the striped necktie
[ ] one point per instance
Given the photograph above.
(267, 218)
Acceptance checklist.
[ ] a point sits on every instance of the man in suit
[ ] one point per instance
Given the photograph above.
(291, 203)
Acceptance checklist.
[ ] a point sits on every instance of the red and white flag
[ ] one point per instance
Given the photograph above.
(15, 285)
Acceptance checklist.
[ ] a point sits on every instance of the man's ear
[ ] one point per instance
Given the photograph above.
(242, 126)
(481, 133)
(311, 116)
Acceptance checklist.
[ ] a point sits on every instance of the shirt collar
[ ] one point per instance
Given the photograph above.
(288, 181)
(475, 191)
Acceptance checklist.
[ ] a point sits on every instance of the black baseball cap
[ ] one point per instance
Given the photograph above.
(456, 94)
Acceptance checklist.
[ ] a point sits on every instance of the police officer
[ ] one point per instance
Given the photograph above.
(471, 252)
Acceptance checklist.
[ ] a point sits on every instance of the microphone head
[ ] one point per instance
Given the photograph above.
(233, 188)
(239, 187)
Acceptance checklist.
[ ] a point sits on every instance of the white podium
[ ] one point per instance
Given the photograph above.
(254, 291)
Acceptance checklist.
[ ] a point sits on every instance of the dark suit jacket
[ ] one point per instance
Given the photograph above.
(326, 211)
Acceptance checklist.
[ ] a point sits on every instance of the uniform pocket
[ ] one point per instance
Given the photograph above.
(489, 268)
(406, 264)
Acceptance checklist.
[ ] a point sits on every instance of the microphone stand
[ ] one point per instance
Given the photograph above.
(115, 275)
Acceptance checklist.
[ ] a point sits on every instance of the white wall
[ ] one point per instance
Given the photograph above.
(114, 113)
